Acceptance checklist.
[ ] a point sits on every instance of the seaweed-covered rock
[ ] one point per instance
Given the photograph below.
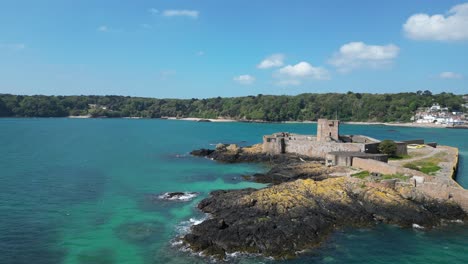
(202, 152)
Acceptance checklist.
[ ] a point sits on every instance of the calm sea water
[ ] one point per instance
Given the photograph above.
(79, 191)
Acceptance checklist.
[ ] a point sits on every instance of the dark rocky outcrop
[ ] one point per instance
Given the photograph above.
(177, 196)
(284, 167)
(231, 153)
(280, 220)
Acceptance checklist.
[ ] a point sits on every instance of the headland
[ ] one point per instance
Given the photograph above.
(324, 182)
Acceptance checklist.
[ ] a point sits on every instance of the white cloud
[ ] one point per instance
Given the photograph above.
(450, 75)
(452, 26)
(355, 55)
(183, 13)
(297, 74)
(103, 29)
(12, 46)
(275, 60)
(153, 11)
(244, 79)
(304, 69)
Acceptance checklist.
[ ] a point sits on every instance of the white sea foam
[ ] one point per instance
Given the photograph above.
(184, 227)
(176, 242)
(459, 221)
(416, 226)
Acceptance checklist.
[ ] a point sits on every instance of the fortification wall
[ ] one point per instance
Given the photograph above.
(444, 192)
(372, 148)
(320, 149)
(374, 166)
(442, 187)
(413, 141)
(402, 149)
(272, 145)
(384, 168)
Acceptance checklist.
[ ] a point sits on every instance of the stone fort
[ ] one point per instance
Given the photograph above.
(328, 144)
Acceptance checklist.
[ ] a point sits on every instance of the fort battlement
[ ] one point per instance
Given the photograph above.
(328, 140)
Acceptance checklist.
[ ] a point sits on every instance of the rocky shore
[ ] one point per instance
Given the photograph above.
(303, 207)
(285, 167)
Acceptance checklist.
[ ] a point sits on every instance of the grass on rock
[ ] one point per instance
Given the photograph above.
(361, 175)
(429, 165)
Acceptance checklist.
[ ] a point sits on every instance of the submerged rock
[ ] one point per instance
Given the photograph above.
(286, 218)
(139, 231)
(99, 256)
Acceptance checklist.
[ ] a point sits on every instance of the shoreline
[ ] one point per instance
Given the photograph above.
(420, 125)
(227, 120)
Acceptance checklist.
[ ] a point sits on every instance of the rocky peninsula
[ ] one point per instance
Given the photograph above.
(305, 202)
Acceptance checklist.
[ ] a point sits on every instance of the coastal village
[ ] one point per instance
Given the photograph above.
(442, 116)
(439, 115)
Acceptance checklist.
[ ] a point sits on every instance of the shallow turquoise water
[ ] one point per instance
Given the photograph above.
(70, 188)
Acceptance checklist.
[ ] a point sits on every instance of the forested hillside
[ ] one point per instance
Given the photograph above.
(347, 107)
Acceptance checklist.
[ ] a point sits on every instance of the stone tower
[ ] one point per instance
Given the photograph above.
(328, 130)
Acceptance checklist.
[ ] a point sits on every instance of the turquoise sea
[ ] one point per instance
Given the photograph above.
(78, 191)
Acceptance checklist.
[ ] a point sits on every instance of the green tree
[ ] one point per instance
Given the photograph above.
(388, 147)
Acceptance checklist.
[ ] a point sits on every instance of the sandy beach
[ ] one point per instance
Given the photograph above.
(224, 120)
(310, 122)
(398, 124)
(196, 119)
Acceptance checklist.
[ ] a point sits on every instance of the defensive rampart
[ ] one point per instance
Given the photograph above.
(442, 187)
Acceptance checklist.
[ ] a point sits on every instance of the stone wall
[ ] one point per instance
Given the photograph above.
(444, 192)
(374, 166)
(273, 145)
(320, 149)
(372, 148)
(346, 158)
(385, 168)
(442, 188)
(402, 149)
(413, 141)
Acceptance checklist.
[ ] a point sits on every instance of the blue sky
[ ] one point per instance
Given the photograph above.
(208, 48)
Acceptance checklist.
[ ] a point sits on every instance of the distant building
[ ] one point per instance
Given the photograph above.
(438, 115)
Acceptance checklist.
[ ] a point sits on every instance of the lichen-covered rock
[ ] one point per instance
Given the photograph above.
(283, 219)
(233, 148)
(220, 147)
